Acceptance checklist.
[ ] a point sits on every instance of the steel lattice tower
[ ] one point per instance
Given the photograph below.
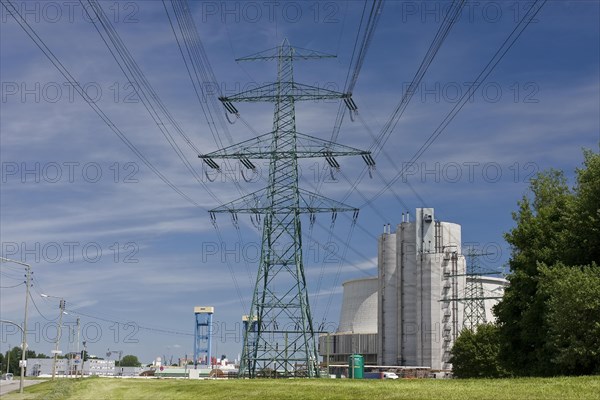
(203, 326)
(474, 313)
(282, 341)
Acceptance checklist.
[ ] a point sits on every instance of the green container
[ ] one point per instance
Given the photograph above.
(356, 366)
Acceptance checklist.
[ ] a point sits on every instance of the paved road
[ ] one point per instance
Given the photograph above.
(10, 386)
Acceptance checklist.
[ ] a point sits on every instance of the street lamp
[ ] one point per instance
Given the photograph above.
(24, 327)
(83, 357)
(61, 306)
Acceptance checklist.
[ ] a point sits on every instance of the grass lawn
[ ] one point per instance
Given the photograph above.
(133, 389)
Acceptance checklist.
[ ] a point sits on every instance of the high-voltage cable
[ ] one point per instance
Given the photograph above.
(12, 10)
(142, 87)
(483, 75)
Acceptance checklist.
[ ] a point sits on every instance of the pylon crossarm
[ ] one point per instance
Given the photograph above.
(314, 202)
(297, 53)
(258, 203)
(272, 93)
(260, 147)
(310, 147)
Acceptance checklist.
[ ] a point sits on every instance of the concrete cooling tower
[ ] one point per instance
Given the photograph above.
(359, 302)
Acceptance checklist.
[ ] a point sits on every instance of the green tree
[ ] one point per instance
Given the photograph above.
(15, 357)
(573, 317)
(583, 240)
(554, 224)
(537, 237)
(129, 361)
(475, 353)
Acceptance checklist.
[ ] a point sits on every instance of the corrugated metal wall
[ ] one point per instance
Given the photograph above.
(347, 344)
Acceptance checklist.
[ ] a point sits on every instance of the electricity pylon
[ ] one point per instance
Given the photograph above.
(474, 299)
(282, 341)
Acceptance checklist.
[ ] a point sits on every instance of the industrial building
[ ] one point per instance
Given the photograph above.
(65, 366)
(412, 312)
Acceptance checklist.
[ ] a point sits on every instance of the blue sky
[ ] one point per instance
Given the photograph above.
(102, 231)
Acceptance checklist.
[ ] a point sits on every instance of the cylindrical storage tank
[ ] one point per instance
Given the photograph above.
(356, 366)
(387, 306)
(408, 326)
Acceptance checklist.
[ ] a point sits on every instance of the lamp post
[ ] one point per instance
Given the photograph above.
(24, 327)
(61, 306)
(77, 350)
(84, 343)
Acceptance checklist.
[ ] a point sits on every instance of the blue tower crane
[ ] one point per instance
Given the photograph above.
(203, 335)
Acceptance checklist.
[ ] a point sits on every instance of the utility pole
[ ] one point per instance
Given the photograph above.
(71, 347)
(8, 360)
(284, 340)
(77, 348)
(24, 344)
(24, 327)
(61, 306)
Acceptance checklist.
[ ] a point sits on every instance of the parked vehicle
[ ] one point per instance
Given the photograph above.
(390, 375)
(7, 377)
(380, 375)
(373, 375)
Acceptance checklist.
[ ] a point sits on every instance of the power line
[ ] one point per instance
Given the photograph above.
(150, 98)
(442, 33)
(230, 267)
(38, 310)
(10, 276)
(11, 268)
(69, 77)
(362, 17)
(376, 9)
(146, 328)
(202, 76)
(198, 68)
(450, 18)
(487, 70)
(322, 273)
(142, 87)
(13, 286)
(339, 270)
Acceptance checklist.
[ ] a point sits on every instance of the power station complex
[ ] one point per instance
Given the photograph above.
(412, 312)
